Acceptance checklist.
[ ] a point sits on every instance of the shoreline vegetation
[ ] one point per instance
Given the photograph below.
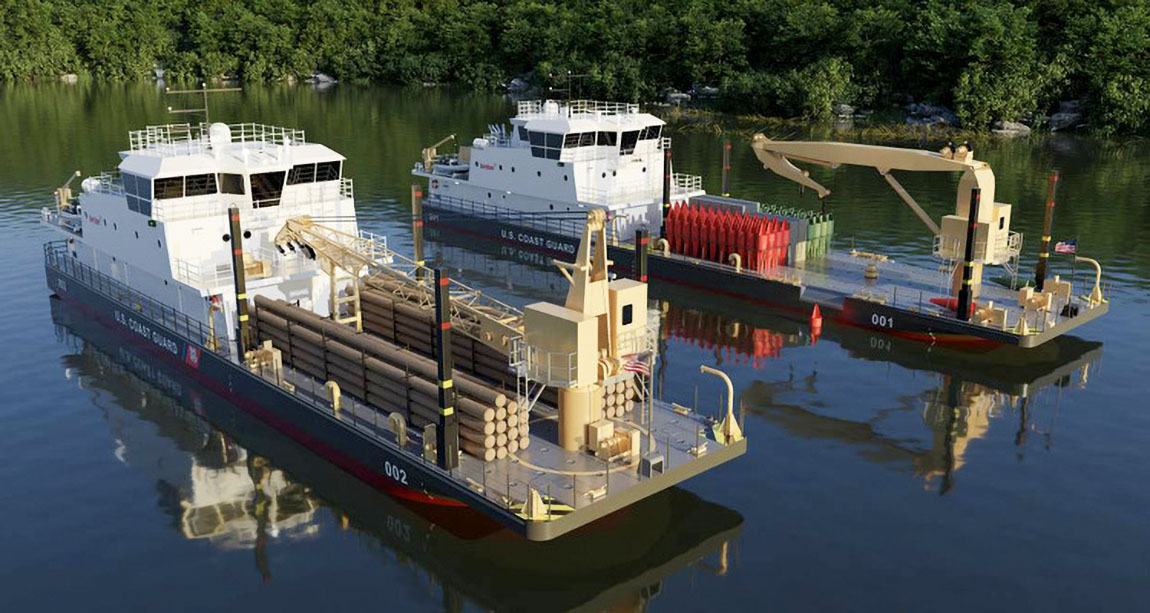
(902, 67)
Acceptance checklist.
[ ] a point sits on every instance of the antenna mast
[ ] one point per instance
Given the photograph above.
(204, 91)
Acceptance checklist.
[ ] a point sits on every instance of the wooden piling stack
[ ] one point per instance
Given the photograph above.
(391, 378)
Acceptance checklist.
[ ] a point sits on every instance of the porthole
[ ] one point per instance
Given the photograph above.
(137, 234)
(644, 169)
(158, 244)
(227, 238)
(612, 173)
(501, 167)
(512, 169)
(564, 177)
(604, 175)
(552, 206)
(247, 233)
(539, 173)
(488, 194)
(115, 226)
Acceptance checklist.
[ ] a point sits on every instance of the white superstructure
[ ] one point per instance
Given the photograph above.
(565, 156)
(159, 223)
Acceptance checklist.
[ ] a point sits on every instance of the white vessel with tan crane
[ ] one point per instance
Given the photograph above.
(232, 253)
(745, 250)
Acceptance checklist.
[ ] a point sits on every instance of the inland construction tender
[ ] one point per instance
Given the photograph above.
(530, 184)
(232, 252)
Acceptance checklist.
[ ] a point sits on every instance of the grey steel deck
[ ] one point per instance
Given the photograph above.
(580, 487)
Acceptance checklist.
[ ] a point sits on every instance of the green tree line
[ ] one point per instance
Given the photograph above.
(987, 59)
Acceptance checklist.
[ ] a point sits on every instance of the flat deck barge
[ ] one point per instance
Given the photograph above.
(897, 303)
(358, 437)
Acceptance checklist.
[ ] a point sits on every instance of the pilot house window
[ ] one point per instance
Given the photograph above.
(169, 187)
(309, 173)
(301, 173)
(627, 145)
(138, 192)
(231, 184)
(546, 145)
(267, 188)
(199, 185)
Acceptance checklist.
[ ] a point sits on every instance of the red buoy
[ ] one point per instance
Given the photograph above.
(816, 324)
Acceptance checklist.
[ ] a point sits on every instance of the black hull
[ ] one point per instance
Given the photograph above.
(342, 444)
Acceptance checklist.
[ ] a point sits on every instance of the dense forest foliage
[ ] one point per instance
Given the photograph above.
(987, 59)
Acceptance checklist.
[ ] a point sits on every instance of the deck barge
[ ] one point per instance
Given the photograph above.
(898, 303)
(359, 438)
(528, 185)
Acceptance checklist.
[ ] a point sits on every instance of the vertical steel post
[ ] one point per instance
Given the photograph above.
(243, 340)
(666, 191)
(447, 430)
(966, 293)
(1048, 222)
(727, 167)
(417, 227)
(642, 238)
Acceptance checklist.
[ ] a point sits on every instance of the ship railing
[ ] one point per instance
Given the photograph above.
(568, 224)
(687, 183)
(188, 139)
(575, 108)
(550, 368)
(109, 182)
(632, 192)
(57, 257)
(204, 275)
(263, 133)
(600, 107)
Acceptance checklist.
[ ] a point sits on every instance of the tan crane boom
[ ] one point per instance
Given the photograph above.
(994, 244)
(370, 263)
(429, 152)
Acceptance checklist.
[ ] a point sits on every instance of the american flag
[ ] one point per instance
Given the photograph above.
(637, 366)
(1070, 246)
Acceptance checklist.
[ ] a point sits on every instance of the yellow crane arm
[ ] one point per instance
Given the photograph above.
(779, 157)
(429, 153)
(473, 313)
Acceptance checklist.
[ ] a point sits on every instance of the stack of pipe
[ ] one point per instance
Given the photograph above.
(407, 324)
(619, 398)
(390, 378)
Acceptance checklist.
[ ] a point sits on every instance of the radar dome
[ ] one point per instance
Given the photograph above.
(219, 134)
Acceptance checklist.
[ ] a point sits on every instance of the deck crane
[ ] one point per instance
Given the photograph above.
(368, 261)
(579, 348)
(994, 244)
(429, 153)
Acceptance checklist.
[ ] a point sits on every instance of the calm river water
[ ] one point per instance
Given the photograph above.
(880, 473)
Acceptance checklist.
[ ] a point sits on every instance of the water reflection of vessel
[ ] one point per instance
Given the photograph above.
(957, 408)
(251, 476)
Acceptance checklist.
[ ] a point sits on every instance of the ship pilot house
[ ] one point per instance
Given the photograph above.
(561, 158)
(159, 224)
